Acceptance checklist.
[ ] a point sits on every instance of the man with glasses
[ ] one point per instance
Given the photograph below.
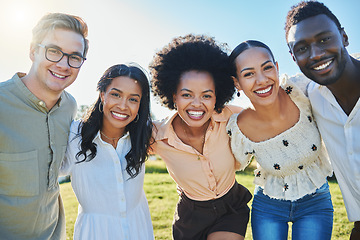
(35, 116)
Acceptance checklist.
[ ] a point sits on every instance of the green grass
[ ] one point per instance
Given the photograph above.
(161, 193)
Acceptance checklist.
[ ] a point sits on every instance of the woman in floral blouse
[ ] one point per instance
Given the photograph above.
(280, 134)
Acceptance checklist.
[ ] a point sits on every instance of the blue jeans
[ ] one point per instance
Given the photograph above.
(311, 215)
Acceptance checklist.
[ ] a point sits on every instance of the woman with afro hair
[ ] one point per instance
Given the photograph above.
(192, 76)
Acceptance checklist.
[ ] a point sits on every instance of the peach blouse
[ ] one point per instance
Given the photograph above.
(200, 176)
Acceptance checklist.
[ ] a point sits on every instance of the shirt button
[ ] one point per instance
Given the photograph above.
(41, 103)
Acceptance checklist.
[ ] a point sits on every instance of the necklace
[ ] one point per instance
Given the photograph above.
(109, 138)
(202, 141)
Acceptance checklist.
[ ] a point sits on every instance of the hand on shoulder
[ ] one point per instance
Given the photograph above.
(234, 109)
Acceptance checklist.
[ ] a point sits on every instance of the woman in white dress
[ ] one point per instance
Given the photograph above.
(105, 157)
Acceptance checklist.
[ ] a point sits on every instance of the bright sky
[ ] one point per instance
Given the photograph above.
(133, 30)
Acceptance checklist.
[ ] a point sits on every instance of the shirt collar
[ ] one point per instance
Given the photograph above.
(29, 95)
(166, 130)
(327, 94)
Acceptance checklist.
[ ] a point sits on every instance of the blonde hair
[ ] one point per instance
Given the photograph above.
(52, 21)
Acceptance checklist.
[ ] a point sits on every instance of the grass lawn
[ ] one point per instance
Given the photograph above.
(161, 193)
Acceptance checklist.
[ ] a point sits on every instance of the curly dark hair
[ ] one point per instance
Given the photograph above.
(191, 53)
(307, 9)
(140, 131)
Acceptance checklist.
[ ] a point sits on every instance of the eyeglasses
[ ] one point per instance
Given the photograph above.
(55, 55)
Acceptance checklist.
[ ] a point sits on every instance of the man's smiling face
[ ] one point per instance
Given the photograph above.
(51, 76)
(318, 47)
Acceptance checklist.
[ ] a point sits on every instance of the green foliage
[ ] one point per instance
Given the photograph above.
(155, 166)
(161, 193)
(70, 204)
(81, 111)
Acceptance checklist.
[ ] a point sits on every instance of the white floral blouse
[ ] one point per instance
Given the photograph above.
(291, 164)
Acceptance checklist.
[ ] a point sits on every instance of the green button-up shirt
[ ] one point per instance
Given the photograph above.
(33, 141)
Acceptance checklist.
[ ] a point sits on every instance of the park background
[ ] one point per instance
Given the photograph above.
(162, 197)
(123, 31)
(133, 31)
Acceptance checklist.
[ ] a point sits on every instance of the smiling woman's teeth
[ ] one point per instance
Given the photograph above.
(264, 91)
(119, 115)
(323, 66)
(196, 113)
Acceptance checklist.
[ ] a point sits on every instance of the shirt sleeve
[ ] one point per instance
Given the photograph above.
(237, 143)
(71, 151)
(300, 81)
(155, 129)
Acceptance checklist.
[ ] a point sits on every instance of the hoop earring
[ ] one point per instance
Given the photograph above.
(136, 118)
(175, 106)
(238, 94)
(100, 109)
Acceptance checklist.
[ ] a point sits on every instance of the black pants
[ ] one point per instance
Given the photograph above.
(355, 233)
(195, 220)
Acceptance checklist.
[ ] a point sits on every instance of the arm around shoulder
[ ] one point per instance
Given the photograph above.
(234, 109)
(71, 150)
(155, 129)
(238, 143)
